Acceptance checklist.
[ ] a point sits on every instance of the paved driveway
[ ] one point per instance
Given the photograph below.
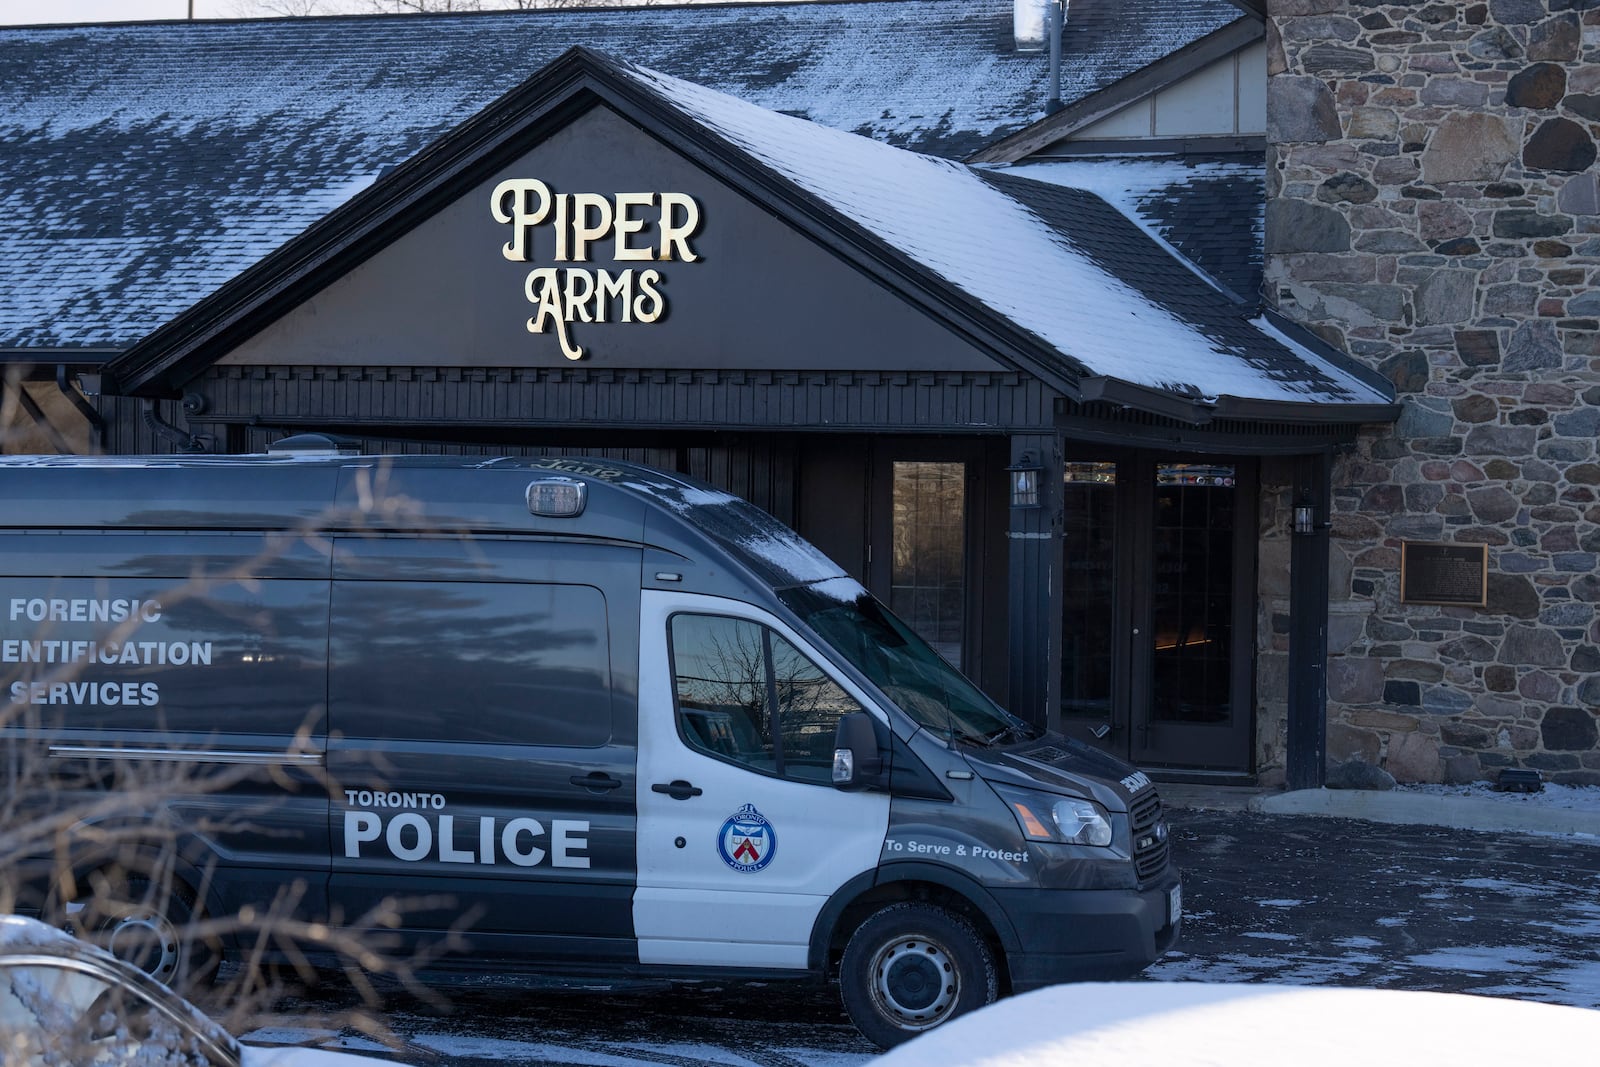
(1346, 902)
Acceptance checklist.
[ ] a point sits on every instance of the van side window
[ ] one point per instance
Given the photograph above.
(520, 663)
(746, 695)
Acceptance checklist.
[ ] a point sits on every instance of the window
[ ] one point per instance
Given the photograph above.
(747, 696)
(928, 579)
(506, 663)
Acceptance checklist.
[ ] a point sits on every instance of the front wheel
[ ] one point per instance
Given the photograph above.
(912, 966)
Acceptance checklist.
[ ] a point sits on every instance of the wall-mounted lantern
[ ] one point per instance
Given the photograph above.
(1305, 519)
(1023, 476)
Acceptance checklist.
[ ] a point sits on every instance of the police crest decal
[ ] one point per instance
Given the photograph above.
(747, 841)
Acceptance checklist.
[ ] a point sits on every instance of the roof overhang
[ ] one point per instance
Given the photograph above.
(45, 364)
(1198, 411)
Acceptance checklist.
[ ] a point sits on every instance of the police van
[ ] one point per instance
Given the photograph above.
(603, 719)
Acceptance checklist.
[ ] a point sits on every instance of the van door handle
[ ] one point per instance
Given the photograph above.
(678, 790)
(599, 781)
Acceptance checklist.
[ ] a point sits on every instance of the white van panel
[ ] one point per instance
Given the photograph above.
(704, 922)
(692, 906)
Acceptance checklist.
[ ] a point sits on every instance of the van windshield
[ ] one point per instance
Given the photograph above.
(900, 663)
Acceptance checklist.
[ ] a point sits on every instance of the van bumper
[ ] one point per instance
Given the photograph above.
(1071, 935)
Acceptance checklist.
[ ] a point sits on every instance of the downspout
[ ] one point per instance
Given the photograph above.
(182, 439)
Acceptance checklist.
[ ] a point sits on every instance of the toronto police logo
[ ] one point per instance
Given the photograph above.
(747, 841)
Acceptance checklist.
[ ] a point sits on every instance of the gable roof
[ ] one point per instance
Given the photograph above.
(1053, 281)
(1092, 21)
(146, 164)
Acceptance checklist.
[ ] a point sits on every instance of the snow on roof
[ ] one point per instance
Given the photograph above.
(145, 164)
(952, 219)
(1211, 210)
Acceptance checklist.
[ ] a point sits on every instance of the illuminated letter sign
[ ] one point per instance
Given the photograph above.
(562, 295)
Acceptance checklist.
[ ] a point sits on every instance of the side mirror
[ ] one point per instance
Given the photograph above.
(856, 762)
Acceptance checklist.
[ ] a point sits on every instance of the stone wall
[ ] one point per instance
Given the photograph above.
(1433, 209)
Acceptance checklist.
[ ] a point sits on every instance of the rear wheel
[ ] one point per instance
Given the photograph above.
(147, 922)
(912, 966)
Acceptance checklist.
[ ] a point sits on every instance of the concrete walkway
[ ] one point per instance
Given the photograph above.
(1488, 810)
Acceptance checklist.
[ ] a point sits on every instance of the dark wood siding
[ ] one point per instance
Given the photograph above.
(383, 397)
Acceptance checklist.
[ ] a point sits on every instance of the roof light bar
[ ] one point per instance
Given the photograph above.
(557, 498)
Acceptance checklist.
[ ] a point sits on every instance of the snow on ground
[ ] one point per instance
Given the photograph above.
(1568, 797)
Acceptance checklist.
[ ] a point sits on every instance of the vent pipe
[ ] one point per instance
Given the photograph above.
(1058, 11)
(1034, 25)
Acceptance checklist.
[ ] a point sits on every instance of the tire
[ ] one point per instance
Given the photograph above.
(911, 967)
(148, 923)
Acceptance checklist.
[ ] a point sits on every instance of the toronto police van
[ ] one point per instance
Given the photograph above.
(596, 718)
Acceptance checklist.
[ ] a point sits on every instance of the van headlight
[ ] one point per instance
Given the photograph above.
(1046, 817)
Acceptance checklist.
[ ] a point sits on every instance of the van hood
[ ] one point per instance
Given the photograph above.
(1060, 763)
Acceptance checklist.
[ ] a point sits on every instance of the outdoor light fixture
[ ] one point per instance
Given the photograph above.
(1305, 521)
(1024, 475)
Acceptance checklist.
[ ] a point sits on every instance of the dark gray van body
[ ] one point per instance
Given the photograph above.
(599, 742)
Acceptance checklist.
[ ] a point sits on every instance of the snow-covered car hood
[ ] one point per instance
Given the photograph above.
(1206, 1024)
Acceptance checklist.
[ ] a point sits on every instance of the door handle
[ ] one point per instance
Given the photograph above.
(678, 790)
(599, 781)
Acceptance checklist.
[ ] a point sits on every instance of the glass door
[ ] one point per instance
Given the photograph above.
(1158, 609)
(1089, 654)
(931, 555)
(928, 564)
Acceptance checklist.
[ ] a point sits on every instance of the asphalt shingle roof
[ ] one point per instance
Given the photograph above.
(1063, 264)
(143, 165)
(1211, 209)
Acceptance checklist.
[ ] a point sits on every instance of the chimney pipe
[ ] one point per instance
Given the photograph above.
(1057, 11)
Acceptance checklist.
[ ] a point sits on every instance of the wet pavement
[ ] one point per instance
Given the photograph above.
(1305, 900)
(1319, 901)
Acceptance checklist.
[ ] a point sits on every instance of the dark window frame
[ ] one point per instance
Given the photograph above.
(774, 709)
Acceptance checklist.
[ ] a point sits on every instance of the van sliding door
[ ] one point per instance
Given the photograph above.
(482, 759)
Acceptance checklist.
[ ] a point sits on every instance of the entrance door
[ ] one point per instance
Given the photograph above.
(1157, 620)
(742, 836)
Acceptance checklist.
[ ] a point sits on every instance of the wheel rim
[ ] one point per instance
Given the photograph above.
(147, 939)
(915, 983)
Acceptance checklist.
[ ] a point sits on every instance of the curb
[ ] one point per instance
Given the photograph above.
(1510, 812)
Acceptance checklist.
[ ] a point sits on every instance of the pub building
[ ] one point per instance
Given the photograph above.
(1043, 426)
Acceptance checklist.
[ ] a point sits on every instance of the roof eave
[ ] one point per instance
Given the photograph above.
(1154, 77)
(1318, 413)
(1197, 411)
(55, 364)
(1169, 405)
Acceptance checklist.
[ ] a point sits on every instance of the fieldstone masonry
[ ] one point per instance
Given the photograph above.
(1433, 209)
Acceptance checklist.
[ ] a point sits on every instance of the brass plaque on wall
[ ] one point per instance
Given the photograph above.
(1438, 573)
